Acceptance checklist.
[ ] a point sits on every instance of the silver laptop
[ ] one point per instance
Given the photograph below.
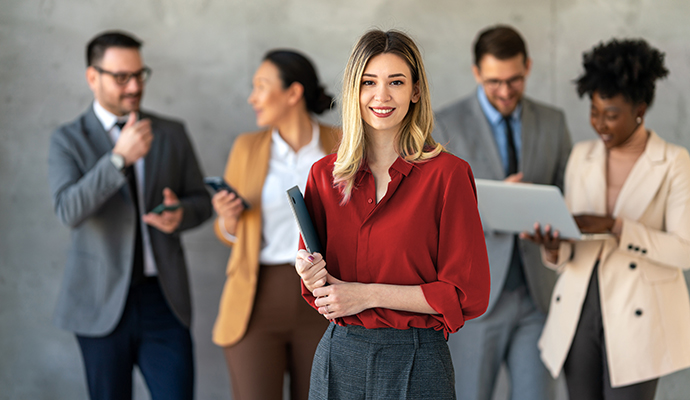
(515, 207)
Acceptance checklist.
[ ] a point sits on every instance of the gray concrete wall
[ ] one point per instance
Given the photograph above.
(203, 53)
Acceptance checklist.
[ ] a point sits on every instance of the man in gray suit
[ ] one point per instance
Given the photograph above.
(506, 136)
(125, 291)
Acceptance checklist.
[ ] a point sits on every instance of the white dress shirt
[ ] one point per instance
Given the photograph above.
(108, 120)
(286, 168)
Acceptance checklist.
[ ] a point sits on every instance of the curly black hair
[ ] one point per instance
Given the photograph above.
(629, 67)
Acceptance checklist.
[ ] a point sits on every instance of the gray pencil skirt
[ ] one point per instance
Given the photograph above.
(353, 362)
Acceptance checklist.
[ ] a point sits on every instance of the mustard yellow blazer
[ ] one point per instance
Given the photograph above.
(644, 299)
(246, 171)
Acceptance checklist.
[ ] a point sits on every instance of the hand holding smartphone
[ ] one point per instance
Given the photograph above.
(217, 183)
(162, 207)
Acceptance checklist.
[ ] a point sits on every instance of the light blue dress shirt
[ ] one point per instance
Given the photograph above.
(498, 127)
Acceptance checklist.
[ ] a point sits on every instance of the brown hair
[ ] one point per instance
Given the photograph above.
(500, 41)
(105, 40)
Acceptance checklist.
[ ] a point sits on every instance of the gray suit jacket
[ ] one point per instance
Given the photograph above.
(464, 130)
(93, 198)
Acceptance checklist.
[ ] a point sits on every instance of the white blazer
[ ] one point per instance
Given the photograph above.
(644, 299)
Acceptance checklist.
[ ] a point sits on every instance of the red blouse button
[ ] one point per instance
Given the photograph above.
(370, 201)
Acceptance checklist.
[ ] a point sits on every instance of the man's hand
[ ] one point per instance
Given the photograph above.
(135, 139)
(167, 221)
(514, 178)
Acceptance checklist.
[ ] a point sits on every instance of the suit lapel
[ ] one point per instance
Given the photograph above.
(97, 135)
(593, 183)
(257, 176)
(529, 154)
(641, 186)
(486, 144)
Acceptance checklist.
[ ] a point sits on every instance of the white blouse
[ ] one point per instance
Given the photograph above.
(286, 168)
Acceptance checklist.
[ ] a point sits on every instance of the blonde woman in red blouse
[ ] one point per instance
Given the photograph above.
(404, 261)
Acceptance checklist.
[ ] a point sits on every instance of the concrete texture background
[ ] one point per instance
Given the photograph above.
(203, 54)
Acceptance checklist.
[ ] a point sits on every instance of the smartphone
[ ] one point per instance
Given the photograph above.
(162, 207)
(217, 183)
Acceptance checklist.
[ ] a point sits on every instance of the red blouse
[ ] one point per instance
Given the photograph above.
(425, 231)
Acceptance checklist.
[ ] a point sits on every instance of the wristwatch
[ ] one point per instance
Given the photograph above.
(118, 161)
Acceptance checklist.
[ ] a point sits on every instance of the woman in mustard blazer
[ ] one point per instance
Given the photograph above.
(620, 312)
(263, 324)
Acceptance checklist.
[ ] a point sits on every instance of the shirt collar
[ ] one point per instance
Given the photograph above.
(107, 119)
(400, 165)
(283, 149)
(492, 114)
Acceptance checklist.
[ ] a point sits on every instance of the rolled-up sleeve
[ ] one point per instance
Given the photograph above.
(462, 290)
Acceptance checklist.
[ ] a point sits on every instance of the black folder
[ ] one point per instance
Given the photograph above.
(306, 227)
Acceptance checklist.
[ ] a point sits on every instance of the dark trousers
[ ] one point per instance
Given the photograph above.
(149, 336)
(586, 368)
(282, 335)
(508, 336)
(355, 363)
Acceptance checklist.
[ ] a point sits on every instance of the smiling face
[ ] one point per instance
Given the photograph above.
(118, 99)
(271, 102)
(614, 119)
(503, 80)
(386, 92)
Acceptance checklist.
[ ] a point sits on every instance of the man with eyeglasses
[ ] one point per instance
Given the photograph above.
(125, 292)
(504, 135)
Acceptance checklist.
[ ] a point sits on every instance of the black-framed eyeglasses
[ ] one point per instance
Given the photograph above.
(512, 83)
(122, 78)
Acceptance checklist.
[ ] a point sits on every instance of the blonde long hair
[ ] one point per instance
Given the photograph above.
(415, 143)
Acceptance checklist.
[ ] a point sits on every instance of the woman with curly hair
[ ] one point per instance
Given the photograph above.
(403, 248)
(620, 311)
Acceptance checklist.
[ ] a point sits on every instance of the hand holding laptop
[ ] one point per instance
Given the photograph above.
(550, 240)
(595, 223)
(588, 224)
